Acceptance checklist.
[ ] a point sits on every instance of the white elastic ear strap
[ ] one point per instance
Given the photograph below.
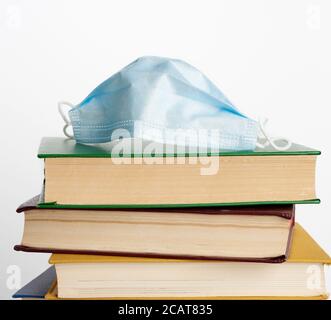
(64, 116)
(272, 140)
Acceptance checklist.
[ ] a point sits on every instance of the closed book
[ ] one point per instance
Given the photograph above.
(238, 233)
(38, 287)
(120, 174)
(88, 277)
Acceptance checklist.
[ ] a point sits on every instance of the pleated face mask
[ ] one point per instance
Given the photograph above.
(159, 99)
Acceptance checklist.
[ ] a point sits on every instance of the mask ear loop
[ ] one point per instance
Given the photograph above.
(271, 140)
(63, 115)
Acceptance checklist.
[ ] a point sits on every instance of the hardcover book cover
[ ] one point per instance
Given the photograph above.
(38, 287)
(56, 147)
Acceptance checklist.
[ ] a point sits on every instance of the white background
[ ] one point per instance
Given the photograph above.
(271, 58)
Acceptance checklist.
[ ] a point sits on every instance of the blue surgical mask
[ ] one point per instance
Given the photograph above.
(154, 97)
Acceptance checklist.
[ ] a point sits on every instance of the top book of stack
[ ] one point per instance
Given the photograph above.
(133, 174)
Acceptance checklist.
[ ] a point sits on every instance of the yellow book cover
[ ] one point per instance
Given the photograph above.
(304, 250)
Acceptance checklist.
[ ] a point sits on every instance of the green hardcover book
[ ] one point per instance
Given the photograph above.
(132, 173)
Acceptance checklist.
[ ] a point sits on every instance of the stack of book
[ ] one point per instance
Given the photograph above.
(130, 227)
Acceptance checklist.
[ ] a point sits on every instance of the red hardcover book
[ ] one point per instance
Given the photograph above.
(246, 233)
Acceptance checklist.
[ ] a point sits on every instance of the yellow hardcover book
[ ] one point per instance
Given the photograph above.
(114, 277)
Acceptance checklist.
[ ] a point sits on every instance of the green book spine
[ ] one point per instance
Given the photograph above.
(66, 148)
(54, 205)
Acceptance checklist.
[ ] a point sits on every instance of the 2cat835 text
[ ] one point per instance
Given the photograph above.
(172, 309)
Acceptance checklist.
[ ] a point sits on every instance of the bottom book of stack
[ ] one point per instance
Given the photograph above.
(74, 276)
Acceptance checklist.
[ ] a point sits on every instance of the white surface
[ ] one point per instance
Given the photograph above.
(271, 58)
